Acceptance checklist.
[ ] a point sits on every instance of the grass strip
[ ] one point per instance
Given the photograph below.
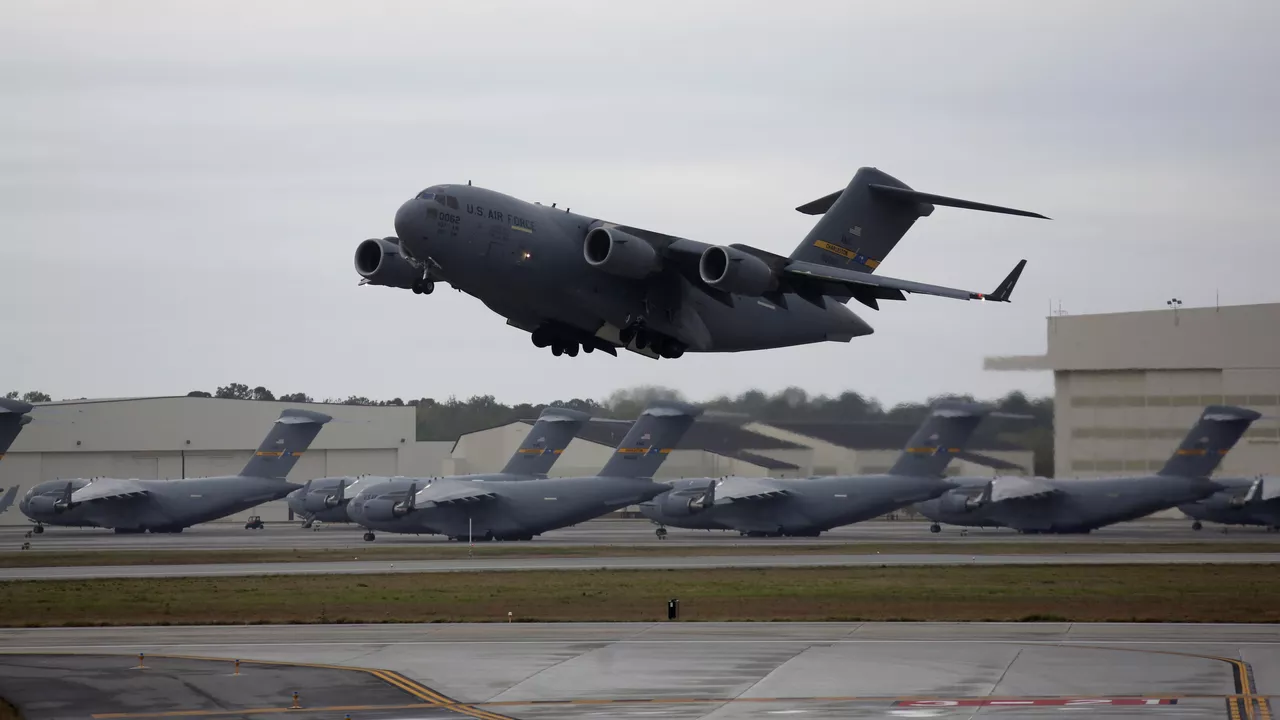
(1157, 593)
(77, 558)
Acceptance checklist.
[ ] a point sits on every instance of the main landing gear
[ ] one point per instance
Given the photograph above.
(559, 344)
(423, 286)
(645, 338)
(661, 532)
(1197, 526)
(935, 528)
(368, 537)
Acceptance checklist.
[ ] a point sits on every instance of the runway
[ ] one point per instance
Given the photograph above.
(721, 671)
(493, 564)
(219, 536)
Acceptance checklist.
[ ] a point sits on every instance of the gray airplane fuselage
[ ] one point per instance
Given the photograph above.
(811, 505)
(1079, 505)
(168, 504)
(526, 262)
(308, 501)
(521, 508)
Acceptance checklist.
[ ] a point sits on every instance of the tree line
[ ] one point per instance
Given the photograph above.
(447, 419)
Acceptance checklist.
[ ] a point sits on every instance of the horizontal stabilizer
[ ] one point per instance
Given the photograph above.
(821, 205)
(987, 461)
(909, 195)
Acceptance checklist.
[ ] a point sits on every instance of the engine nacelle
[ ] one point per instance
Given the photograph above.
(380, 263)
(733, 271)
(683, 503)
(619, 253)
(958, 503)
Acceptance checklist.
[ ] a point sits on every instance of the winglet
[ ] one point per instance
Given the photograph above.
(1005, 288)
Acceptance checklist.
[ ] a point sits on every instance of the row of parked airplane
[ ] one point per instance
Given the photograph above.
(521, 502)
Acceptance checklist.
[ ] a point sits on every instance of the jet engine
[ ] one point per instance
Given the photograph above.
(682, 503)
(619, 253)
(958, 503)
(380, 263)
(733, 271)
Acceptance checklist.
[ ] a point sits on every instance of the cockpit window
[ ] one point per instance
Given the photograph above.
(453, 202)
(426, 195)
(440, 198)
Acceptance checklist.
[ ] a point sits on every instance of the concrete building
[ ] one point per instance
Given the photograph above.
(1128, 385)
(175, 437)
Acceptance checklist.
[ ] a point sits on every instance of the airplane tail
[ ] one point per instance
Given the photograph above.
(550, 435)
(940, 438)
(289, 438)
(13, 415)
(1214, 434)
(7, 499)
(651, 438)
(861, 224)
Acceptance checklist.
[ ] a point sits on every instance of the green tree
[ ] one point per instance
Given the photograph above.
(296, 397)
(261, 393)
(199, 393)
(234, 391)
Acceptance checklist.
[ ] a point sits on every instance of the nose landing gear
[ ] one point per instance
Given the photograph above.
(368, 537)
(423, 286)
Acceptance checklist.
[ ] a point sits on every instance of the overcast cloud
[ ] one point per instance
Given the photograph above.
(183, 185)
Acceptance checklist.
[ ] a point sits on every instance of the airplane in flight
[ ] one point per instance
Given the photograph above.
(1244, 501)
(577, 282)
(1073, 505)
(461, 508)
(806, 507)
(14, 415)
(169, 506)
(326, 499)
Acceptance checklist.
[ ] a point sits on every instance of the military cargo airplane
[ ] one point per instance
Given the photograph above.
(326, 499)
(519, 510)
(13, 417)
(1244, 501)
(1049, 505)
(574, 281)
(169, 506)
(806, 507)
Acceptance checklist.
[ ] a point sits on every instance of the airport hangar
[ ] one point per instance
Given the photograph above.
(174, 437)
(1128, 386)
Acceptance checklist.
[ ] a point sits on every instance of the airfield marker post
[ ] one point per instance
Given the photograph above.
(237, 672)
(297, 704)
(141, 657)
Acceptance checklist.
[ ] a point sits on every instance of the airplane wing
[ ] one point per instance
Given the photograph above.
(455, 495)
(811, 280)
(744, 489)
(109, 489)
(1015, 489)
(8, 498)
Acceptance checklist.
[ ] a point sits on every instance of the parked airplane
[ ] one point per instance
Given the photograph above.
(1244, 501)
(462, 508)
(574, 281)
(1073, 505)
(805, 507)
(326, 499)
(169, 506)
(13, 417)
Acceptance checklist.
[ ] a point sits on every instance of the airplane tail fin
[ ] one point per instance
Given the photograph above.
(290, 436)
(940, 438)
(554, 429)
(861, 224)
(13, 415)
(651, 438)
(1219, 428)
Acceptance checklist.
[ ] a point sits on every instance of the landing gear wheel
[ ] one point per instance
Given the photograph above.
(557, 349)
(539, 338)
(1196, 525)
(571, 350)
(38, 529)
(627, 334)
(422, 286)
(661, 533)
(587, 348)
(643, 339)
(935, 528)
(368, 537)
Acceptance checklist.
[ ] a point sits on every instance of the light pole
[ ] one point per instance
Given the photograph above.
(1174, 303)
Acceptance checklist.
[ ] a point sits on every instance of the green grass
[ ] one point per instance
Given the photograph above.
(1164, 593)
(21, 559)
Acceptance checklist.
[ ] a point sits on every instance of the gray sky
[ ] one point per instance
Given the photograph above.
(183, 185)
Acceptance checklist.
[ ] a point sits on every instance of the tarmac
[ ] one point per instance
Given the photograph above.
(720, 671)
(226, 536)
(490, 564)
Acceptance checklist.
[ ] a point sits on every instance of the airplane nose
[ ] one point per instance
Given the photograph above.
(411, 219)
